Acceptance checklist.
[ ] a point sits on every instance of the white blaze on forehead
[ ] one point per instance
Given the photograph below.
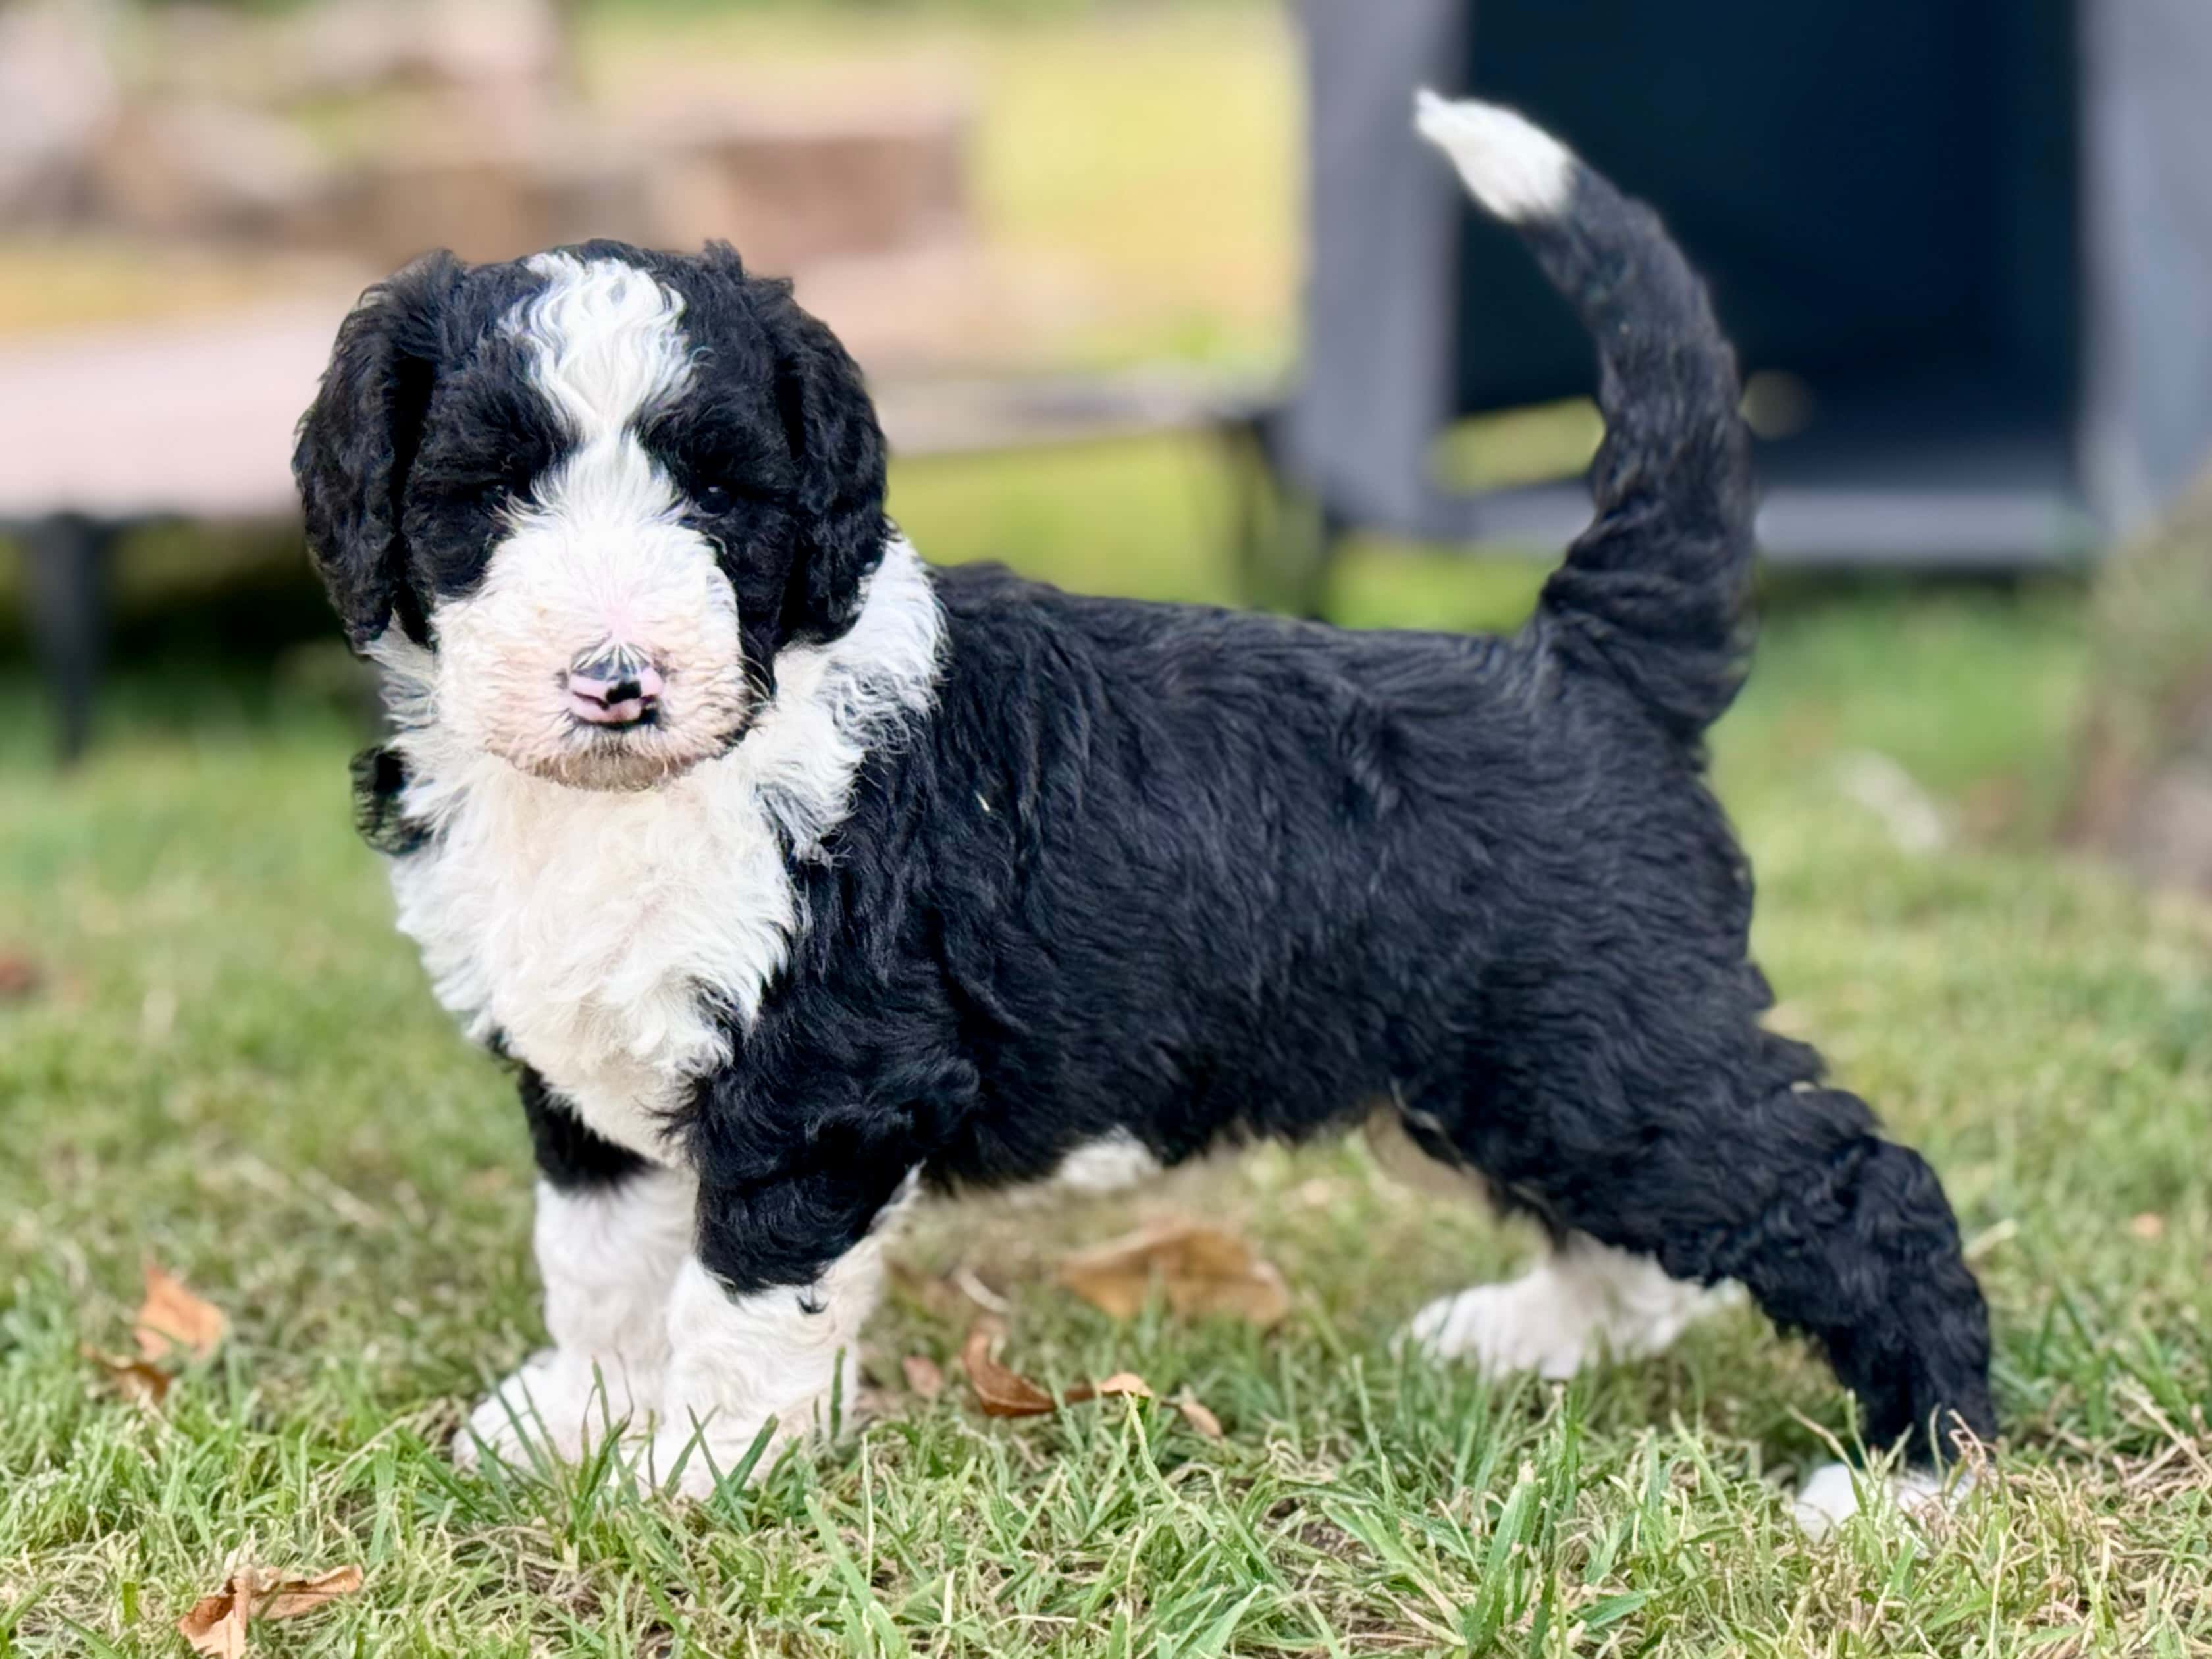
(607, 342)
(594, 543)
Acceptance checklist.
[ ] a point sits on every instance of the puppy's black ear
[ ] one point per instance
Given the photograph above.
(831, 423)
(358, 439)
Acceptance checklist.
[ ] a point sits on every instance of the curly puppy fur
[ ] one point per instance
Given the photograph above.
(869, 881)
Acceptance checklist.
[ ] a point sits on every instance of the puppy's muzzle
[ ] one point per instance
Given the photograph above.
(615, 686)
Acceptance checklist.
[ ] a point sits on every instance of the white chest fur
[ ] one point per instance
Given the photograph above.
(615, 940)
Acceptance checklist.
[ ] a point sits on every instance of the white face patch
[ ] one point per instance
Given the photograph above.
(597, 563)
(609, 937)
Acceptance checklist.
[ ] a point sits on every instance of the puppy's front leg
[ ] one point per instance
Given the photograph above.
(764, 1324)
(611, 1231)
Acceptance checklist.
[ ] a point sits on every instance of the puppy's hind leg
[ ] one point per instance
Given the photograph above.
(1583, 1303)
(1754, 1173)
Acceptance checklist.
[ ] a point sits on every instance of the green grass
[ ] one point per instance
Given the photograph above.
(236, 1069)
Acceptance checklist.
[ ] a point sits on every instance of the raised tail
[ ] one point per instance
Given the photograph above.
(1654, 591)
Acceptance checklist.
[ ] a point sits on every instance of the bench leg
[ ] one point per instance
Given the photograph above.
(65, 559)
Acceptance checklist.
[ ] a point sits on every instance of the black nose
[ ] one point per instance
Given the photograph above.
(614, 685)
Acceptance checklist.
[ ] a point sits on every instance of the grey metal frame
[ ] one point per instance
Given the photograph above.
(1350, 441)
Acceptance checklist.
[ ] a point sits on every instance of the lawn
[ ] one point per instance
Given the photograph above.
(231, 1066)
(234, 1068)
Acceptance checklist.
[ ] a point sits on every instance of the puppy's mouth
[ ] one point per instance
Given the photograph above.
(625, 741)
(642, 755)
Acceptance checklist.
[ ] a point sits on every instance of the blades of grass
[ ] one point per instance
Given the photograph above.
(1610, 1610)
(1499, 1604)
(1378, 1532)
(883, 1634)
(731, 1486)
(1214, 1640)
(94, 1644)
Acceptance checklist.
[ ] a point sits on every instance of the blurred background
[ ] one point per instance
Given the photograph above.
(1159, 297)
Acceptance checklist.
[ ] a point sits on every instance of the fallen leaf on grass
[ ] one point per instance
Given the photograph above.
(922, 1375)
(134, 1379)
(216, 1624)
(998, 1391)
(20, 977)
(288, 1598)
(1201, 1270)
(1199, 1417)
(172, 1320)
(1002, 1392)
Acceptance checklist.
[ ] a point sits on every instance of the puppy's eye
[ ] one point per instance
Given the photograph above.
(715, 498)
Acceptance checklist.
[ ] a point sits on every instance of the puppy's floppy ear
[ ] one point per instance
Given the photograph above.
(831, 423)
(358, 439)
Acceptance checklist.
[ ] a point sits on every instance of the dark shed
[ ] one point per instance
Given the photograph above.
(1970, 238)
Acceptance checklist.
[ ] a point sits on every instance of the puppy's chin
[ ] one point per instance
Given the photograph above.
(522, 716)
(618, 762)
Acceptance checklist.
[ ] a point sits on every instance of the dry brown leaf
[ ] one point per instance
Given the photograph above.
(135, 1380)
(288, 1598)
(20, 977)
(922, 1375)
(1199, 1417)
(172, 1320)
(1201, 1270)
(1004, 1393)
(216, 1624)
(998, 1391)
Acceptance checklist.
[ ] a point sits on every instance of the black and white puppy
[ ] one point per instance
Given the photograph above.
(799, 879)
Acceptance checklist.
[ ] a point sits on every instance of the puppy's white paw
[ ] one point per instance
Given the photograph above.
(1831, 1494)
(1506, 1330)
(1578, 1304)
(690, 1461)
(559, 1404)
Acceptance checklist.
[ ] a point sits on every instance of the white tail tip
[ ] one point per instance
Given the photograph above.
(1516, 169)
